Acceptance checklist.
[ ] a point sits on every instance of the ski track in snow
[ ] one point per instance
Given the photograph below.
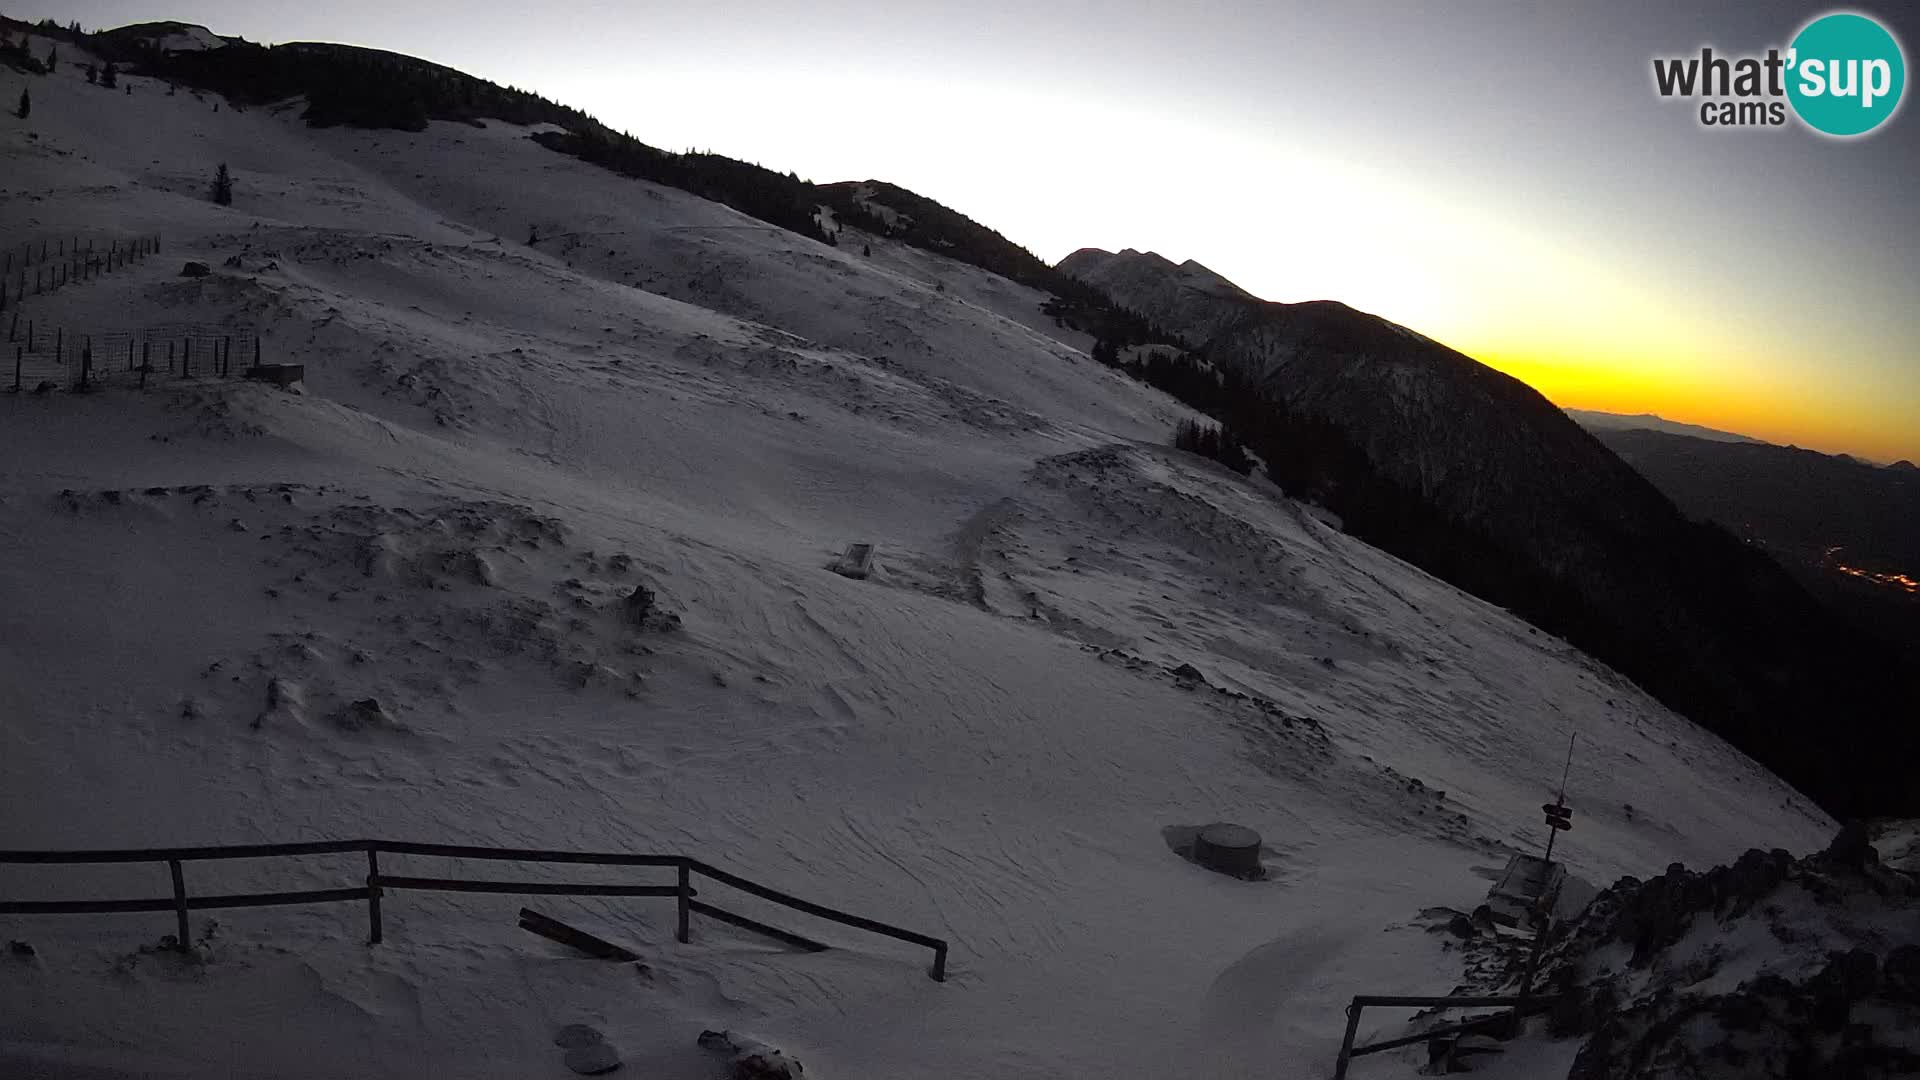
(497, 443)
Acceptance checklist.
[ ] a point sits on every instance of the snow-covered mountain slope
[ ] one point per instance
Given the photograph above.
(203, 584)
(1473, 474)
(1188, 298)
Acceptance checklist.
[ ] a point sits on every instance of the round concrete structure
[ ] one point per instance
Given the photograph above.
(1229, 849)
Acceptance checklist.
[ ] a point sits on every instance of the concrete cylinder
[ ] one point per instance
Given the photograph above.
(1229, 849)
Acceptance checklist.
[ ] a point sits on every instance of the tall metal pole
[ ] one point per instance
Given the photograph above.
(1561, 799)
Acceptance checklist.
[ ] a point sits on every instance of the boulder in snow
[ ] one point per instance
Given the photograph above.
(750, 1059)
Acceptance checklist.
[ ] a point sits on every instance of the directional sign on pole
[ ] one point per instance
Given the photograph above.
(1559, 816)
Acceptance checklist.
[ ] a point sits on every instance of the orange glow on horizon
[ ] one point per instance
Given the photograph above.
(1686, 395)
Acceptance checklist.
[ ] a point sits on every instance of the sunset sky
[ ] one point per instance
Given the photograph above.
(1501, 178)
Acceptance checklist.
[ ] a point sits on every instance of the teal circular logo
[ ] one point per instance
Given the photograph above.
(1845, 74)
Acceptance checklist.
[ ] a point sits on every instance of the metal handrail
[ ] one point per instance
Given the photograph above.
(1521, 1004)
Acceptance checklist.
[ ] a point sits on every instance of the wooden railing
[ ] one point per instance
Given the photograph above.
(378, 882)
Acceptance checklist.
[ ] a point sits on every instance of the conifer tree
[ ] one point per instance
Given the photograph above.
(223, 186)
(53, 59)
(26, 104)
(93, 74)
(110, 77)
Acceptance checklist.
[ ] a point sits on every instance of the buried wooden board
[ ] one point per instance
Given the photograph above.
(554, 930)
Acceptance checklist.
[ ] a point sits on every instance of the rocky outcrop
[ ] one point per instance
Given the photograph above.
(1769, 967)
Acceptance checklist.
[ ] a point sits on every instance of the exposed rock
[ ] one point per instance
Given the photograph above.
(1667, 1011)
(1847, 978)
(1852, 848)
(639, 605)
(1900, 975)
(641, 610)
(749, 1058)
(195, 269)
(365, 714)
(285, 699)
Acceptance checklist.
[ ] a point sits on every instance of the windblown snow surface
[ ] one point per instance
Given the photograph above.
(987, 741)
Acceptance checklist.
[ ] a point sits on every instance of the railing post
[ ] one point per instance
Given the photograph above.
(685, 898)
(940, 963)
(185, 936)
(1346, 1044)
(373, 895)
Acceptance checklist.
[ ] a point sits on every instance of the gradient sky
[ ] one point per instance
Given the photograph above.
(1500, 176)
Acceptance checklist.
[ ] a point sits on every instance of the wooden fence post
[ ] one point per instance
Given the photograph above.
(180, 904)
(18, 351)
(146, 362)
(373, 895)
(685, 897)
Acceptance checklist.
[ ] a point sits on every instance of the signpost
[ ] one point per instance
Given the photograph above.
(1559, 814)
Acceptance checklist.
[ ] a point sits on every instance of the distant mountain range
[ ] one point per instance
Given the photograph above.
(1848, 529)
(1476, 477)
(1606, 421)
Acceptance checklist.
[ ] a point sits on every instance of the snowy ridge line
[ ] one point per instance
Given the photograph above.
(377, 883)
